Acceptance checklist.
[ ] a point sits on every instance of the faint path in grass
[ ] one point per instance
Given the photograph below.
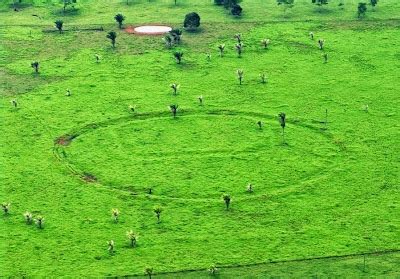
(68, 138)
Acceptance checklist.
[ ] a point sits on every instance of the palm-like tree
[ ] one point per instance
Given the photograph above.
(265, 43)
(325, 56)
(148, 271)
(157, 210)
(168, 40)
(250, 188)
(178, 56)
(14, 103)
(35, 66)
(240, 75)
(132, 108)
(221, 48)
(97, 58)
(174, 109)
(28, 217)
(201, 99)
(239, 49)
(119, 18)
(260, 124)
(263, 78)
(321, 44)
(227, 200)
(6, 207)
(213, 270)
(282, 122)
(175, 88)
(132, 237)
(238, 37)
(176, 35)
(112, 36)
(39, 221)
(111, 246)
(311, 35)
(115, 214)
(59, 25)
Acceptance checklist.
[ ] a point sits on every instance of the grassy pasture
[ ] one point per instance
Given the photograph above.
(330, 190)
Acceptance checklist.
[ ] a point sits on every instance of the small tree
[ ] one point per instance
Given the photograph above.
(238, 37)
(201, 99)
(265, 43)
(260, 124)
(174, 109)
(236, 10)
(174, 87)
(132, 237)
(239, 49)
(325, 56)
(68, 3)
(115, 214)
(6, 207)
(176, 35)
(361, 9)
(97, 58)
(112, 36)
(111, 246)
(263, 78)
(59, 25)
(221, 48)
(119, 18)
(192, 21)
(227, 200)
(168, 40)
(35, 66)
(28, 217)
(157, 210)
(148, 271)
(311, 35)
(240, 75)
(250, 188)
(321, 44)
(14, 103)
(132, 108)
(374, 2)
(213, 270)
(178, 56)
(319, 2)
(39, 221)
(282, 122)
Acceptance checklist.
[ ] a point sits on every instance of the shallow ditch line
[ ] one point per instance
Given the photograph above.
(274, 262)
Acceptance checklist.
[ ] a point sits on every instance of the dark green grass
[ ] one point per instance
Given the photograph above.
(325, 192)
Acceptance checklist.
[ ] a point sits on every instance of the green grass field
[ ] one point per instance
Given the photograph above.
(327, 190)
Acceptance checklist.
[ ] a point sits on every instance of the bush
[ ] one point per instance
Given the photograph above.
(236, 10)
(192, 21)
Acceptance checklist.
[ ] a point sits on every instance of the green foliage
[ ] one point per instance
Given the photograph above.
(319, 2)
(59, 25)
(178, 56)
(119, 18)
(236, 10)
(374, 2)
(67, 3)
(361, 9)
(112, 36)
(35, 66)
(6, 207)
(158, 209)
(227, 200)
(192, 21)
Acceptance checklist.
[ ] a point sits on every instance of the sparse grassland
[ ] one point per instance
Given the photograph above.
(329, 187)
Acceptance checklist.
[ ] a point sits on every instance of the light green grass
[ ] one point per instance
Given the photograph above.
(325, 192)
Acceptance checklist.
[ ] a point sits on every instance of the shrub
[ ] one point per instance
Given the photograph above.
(192, 21)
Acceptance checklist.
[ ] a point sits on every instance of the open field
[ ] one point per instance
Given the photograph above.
(329, 188)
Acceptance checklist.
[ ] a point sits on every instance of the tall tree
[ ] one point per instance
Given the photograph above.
(120, 19)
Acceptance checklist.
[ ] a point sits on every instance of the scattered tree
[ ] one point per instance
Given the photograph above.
(112, 36)
(250, 188)
(260, 124)
(311, 35)
(236, 10)
(227, 200)
(238, 37)
(148, 271)
(174, 87)
(240, 75)
(39, 221)
(35, 66)
(361, 9)
(286, 4)
(6, 207)
(115, 214)
(239, 49)
(221, 48)
(119, 18)
(321, 44)
(157, 210)
(265, 43)
(201, 99)
(132, 108)
(282, 121)
(374, 2)
(176, 35)
(68, 3)
(97, 58)
(168, 40)
(213, 270)
(178, 56)
(68, 93)
(59, 25)
(132, 237)
(208, 56)
(173, 109)
(325, 56)
(319, 2)
(263, 78)
(111, 246)
(28, 217)
(192, 21)
(14, 103)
